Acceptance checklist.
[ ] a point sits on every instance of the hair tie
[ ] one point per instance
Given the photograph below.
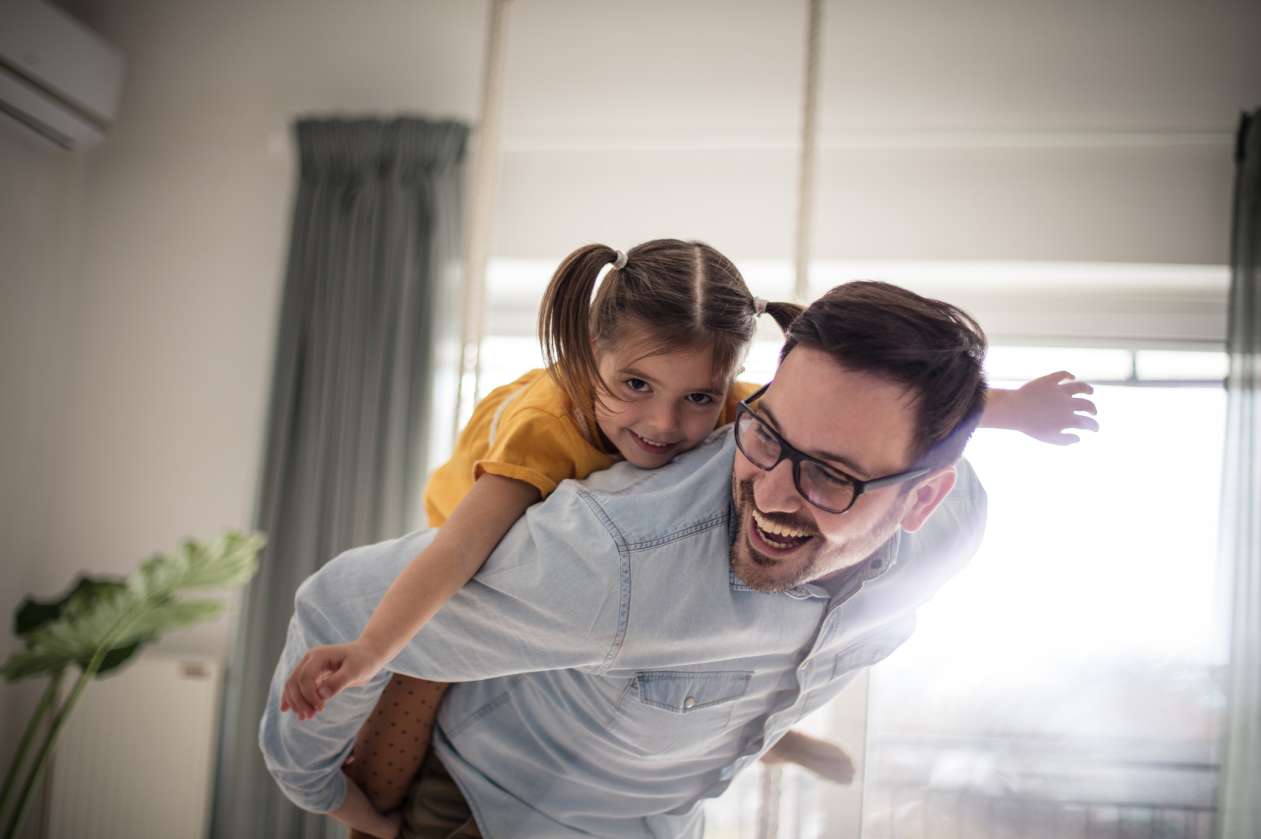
(619, 262)
(759, 306)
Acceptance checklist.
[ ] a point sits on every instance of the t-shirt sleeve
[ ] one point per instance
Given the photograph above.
(535, 447)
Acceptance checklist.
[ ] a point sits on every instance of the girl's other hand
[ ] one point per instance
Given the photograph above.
(1051, 405)
(325, 672)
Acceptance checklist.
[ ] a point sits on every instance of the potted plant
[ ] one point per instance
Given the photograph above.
(99, 625)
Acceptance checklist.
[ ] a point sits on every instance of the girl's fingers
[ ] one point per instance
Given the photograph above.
(1077, 387)
(335, 681)
(306, 687)
(1082, 405)
(294, 701)
(1085, 423)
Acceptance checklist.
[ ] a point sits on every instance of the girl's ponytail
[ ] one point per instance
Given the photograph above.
(565, 329)
(784, 314)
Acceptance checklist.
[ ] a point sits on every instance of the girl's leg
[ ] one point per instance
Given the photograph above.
(394, 740)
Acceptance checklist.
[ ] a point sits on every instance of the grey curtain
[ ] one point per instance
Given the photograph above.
(375, 241)
(1239, 814)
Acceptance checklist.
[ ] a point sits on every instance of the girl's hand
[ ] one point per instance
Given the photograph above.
(1045, 407)
(324, 672)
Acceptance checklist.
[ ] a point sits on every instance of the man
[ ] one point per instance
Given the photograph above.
(640, 637)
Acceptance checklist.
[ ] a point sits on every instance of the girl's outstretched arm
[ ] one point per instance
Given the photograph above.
(462, 545)
(1045, 408)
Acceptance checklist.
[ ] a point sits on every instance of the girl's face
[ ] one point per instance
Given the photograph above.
(658, 405)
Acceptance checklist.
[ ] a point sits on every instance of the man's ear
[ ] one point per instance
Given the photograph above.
(923, 500)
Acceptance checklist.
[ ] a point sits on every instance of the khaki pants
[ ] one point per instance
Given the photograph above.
(436, 808)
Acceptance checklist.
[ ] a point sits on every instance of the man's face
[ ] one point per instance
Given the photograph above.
(860, 424)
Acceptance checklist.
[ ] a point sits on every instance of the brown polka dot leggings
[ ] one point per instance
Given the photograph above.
(393, 742)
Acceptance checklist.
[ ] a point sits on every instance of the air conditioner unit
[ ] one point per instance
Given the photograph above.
(56, 77)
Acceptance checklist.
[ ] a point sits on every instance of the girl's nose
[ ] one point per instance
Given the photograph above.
(666, 419)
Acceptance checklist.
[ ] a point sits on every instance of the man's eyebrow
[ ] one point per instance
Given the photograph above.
(849, 465)
(640, 374)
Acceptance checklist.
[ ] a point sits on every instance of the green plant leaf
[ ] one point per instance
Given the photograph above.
(32, 613)
(159, 619)
(228, 561)
(121, 618)
(27, 663)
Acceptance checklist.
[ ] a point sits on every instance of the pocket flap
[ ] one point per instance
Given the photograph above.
(684, 691)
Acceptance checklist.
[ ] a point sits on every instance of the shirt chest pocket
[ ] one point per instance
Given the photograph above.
(672, 711)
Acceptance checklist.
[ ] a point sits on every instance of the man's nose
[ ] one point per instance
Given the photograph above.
(775, 492)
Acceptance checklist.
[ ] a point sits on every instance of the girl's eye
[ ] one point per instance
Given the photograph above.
(636, 385)
(699, 398)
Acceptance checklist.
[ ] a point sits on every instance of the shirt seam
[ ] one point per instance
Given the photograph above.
(691, 529)
(624, 580)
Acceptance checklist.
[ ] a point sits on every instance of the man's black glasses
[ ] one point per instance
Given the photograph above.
(824, 486)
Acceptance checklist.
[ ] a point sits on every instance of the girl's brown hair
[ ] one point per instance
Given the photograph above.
(681, 294)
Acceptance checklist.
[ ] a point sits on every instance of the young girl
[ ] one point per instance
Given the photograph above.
(642, 372)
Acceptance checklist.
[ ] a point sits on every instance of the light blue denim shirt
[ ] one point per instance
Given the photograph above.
(612, 671)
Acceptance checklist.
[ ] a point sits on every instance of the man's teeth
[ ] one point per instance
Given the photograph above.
(770, 527)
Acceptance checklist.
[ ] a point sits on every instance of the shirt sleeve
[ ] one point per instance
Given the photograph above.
(549, 597)
(535, 447)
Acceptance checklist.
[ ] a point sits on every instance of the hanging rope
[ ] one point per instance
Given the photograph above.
(478, 222)
(805, 184)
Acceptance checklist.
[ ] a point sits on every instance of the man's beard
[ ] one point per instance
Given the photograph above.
(817, 559)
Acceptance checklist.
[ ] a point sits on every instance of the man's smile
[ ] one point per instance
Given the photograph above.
(774, 540)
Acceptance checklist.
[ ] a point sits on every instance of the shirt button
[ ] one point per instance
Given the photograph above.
(690, 702)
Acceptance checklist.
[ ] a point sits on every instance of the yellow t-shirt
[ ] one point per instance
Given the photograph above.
(526, 431)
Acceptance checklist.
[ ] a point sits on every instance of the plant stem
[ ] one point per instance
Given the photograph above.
(28, 736)
(15, 821)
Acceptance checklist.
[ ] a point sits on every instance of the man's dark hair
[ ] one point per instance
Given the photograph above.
(934, 349)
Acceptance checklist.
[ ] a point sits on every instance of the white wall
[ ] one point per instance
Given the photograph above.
(185, 226)
(38, 231)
